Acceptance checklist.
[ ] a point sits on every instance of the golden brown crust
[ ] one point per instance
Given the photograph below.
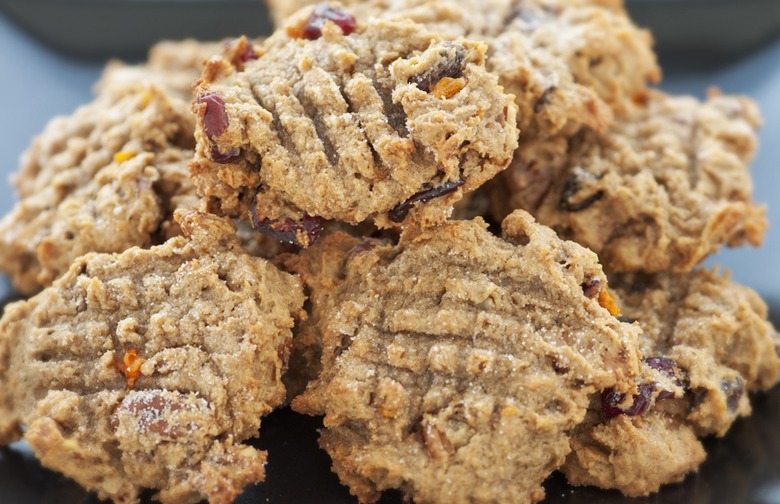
(716, 332)
(661, 190)
(350, 127)
(454, 363)
(147, 369)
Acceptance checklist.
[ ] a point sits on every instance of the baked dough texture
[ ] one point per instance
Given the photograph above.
(661, 190)
(568, 63)
(104, 179)
(147, 369)
(453, 365)
(716, 333)
(387, 122)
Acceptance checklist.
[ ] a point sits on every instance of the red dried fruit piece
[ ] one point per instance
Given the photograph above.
(399, 213)
(591, 288)
(215, 119)
(324, 13)
(611, 400)
(224, 157)
(303, 232)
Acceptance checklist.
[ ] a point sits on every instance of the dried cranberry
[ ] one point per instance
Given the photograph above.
(247, 53)
(669, 368)
(399, 213)
(324, 13)
(303, 232)
(215, 119)
(230, 156)
(610, 401)
(591, 288)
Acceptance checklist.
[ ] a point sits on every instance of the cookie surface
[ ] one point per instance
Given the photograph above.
(568, 63)
(661, 190)
(453, 365)
(104, 179)
(147, 369)
(385, 122)
(713, 336)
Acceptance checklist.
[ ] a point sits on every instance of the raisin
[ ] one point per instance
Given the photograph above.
(303, 232)
(544, 99)
(230, 156)
(450, 66)
(570, 189)
(324, 13)
(734, 390)
(247, 53)
(669, 367)
(399, 213)
(215, 119)
(591, 288)
(610, 401)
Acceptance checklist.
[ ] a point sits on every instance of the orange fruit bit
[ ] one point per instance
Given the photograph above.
(122, 156)
(608, 302)
(448, 87)
(131, 366)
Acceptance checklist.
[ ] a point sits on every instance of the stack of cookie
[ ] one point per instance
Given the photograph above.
(466, 234)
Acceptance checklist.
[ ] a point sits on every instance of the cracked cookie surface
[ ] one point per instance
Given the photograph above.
(386, 122)
(453, 365)
(568, 63)
(147, 369)
(661, 190)
(104, 179)
(714, 334)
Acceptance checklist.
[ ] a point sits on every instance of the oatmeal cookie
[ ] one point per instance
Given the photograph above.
(147, 369)
(712, 338)
(172, 65)
(453, 365)
(661, 190)
(349, 121)
(568, 63)
(104, 179)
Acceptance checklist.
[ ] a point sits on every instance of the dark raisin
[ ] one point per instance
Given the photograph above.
(230, 156)
(247, 53)
(324, 13)
(591, 288)
(626, 320)
(669, 368)
(303, 232)
(450, 65)
(570, 189)
(734, 390)
(215, 119)
(399, 213)
(543, 100)
(610, 401)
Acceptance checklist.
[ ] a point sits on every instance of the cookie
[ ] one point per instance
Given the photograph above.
(172, 65)
(104, 179)
(379, 120)
(568, 63)
(148, 369)
(661, 190)
(453, 365)
(711, 338)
